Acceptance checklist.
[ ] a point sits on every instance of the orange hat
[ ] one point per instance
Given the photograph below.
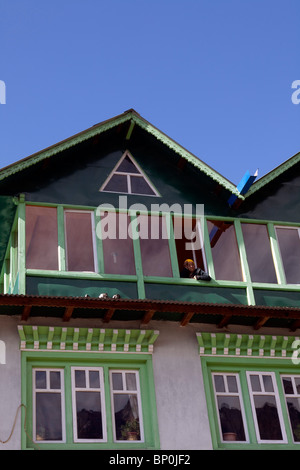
(189, 261)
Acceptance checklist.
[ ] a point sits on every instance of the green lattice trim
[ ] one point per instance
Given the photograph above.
(245, 345)
(133, 117)
(86, 339)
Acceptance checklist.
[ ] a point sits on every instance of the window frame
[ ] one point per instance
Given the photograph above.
(36, 390)
(275, 394)
(139, 362)
(101, 390)
(226, 394)
(122, 392)
(288, 227)
(93, 233)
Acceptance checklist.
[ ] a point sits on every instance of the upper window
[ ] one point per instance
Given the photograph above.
(41, 238)
(80, 241)
(258, 250)
(225, 251)
(127, 177)
(289, 245)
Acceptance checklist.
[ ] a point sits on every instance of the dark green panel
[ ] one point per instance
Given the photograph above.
(7, 215)
(47, 286)
(196, 294)
(277, 299)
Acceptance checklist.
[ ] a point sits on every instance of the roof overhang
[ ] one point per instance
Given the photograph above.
(145, 310)
(132, 118)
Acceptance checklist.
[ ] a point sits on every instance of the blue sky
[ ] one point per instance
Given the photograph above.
(214, 75)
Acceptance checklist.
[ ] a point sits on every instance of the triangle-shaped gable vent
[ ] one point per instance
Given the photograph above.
(127, 177)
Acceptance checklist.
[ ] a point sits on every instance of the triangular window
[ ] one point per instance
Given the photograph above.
(127, 177)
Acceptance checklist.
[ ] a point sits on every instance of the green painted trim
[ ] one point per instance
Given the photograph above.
(172, 247)
(276, 254)
(246, 345)
(67, 359)
(86, 339)
(237, 365)
(21, 248)
(61, 239)
(244, 262)
(98, 129)
(138, 259)
(274, 174)
(186, 155)
(63, 145)
(99, 243)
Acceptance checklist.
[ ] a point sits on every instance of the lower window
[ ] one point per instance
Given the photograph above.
(253, 407)
(76, 405)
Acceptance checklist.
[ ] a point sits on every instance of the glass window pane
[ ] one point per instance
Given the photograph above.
(154, 245)
(268, 383)
(94, 379)
(288, 386)
(54, 380)
(48, 417)
(130, 381)
(293, 405)
(41, 238)
(40, 379)
(232, 384)
(231, 418)
(127, 424)
(219, 383)
(140, 186)
(297, 384)
(259, 256)
(117, 381)
(89, 417)
(79, 241)
(267, 418)
(117, 183)
(80, 379)
(255, 383)
(224, 251)
(117, 244)
(289, 243)
(127, 166)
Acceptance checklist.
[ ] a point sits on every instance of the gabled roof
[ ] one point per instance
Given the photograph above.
(272, 175)
(133, 118)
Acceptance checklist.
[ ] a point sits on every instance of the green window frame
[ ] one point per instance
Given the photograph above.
(56, 350)
(265, 370)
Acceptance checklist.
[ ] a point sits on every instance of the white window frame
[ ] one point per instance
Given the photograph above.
(100, 390)
(36, 390)
(288, 395)
(129, 174)
(275, 393)
(137, 392)
(226, 394)
(94, 243)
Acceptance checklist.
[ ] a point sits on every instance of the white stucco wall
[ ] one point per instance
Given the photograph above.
(181, 405)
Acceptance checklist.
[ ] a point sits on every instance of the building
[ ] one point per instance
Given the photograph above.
(100, 335)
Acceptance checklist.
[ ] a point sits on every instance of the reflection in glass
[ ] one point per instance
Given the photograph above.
(80, 378)
(117, 243)
(126, 416)
(224, 250)
(79, 241)
(48, 417)
(231, 420)
(40, 379)
(54, 380)
(267, 418)
(41, 238)
(89, 418)
(154, 245)
(258, 250)
(289, 244)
